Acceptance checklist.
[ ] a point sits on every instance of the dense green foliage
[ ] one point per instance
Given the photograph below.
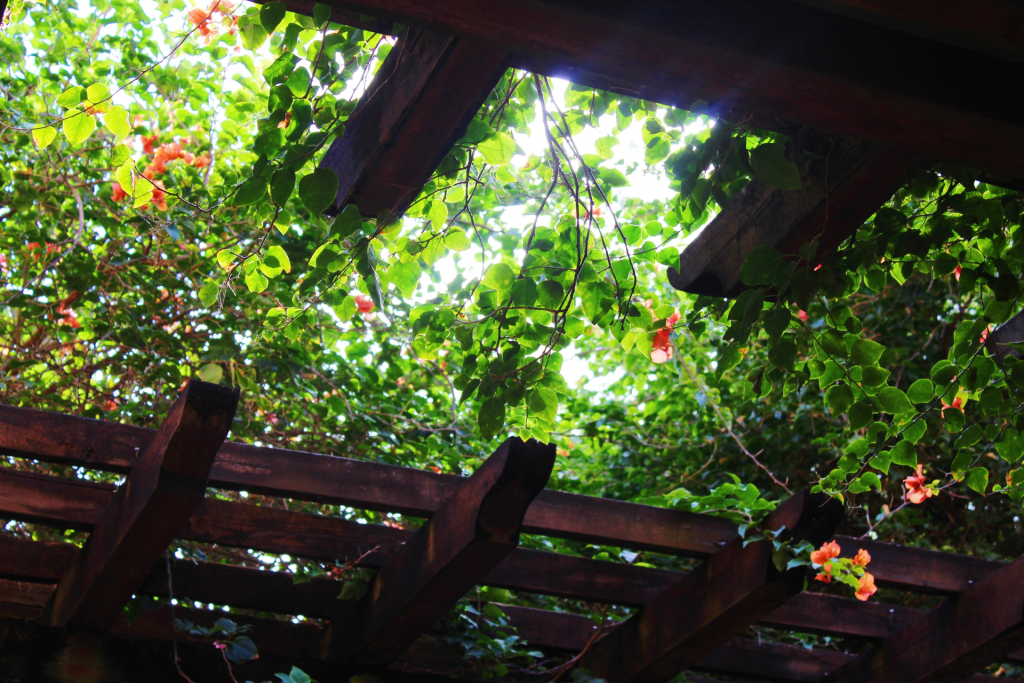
(422, 340)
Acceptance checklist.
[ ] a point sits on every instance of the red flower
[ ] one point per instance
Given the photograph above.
(661, 347)
(147, 143)
(826, 574)
(119, 194)
(957, 271)
(917, 492)
(862, 558)
(825, 553)
(802, 315)
(364, 304)
(866, 587)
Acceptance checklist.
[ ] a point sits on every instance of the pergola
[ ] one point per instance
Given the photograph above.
(885, 88)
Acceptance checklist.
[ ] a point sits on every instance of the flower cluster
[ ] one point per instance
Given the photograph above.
(158, 165)
(851, 572)
(917, 491)
(364, 304)
(203, 19)
(661, 345)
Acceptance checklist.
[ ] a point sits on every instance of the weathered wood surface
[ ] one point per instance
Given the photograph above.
(959, 638)
(943, 100)
(720, 599)
(994, 27)
(1009, 332)
(109, 446)
(844, 182)
(145, 514)
(472, 532)
(419, 103)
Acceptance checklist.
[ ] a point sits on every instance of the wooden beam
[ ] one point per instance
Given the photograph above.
(470, 535)
(980, 627)
(147, 511)
(844, 182)
(426, 92)
(993, 27)
(75, 503)
(111, 447)
(730, 592)
(944, 101)
(1009, 332)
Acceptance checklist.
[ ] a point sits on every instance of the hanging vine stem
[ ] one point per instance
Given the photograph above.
(727, 426)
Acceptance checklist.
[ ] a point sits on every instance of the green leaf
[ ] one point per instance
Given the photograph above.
(491, 417)
(143, 191)
(277, 258)
(499, 276)
(347, 223)
(78, 126)
(1011, 447)
(961, 463)
(543, 403)
(904, 454)
(866, 352)
(321, 14)
(251, 191)
(728, 358)
(894, 401)
(921, 391)
(860, 414)
(120, 155)
(252, 32)
(915, 430)
(550, 294)
(44, 136)
(282, 183)
(977, 479)
(759, 266)
(881, 462)
(858, 447)
(405, 276)
(839, 398)
(497, 149)
(208, 293)
(318, 190)
(211, 372)
(870, 479)
(97, 92)
(437, 212)
(772, 169)
(271, 15)
(457, 240)
(124, 178)
(256, 282)
(116, 121)
(72, 97)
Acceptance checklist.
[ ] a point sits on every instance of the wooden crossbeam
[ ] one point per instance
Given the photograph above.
(720, 599)
(1009, 332)
(108, 446)
(844, 182)
(426, 92)
(943, 101)
(145, 514)
(475, 529)
(959, 638)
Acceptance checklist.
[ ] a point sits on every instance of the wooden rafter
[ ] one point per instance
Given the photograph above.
(109, 446)
(142, 518)
(844, 182)
(959, 638)
(720, 599)
(472, 532)
(944, 100)
(420, 101)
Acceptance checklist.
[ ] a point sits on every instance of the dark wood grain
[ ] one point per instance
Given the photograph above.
(146, 513)
(842, 187)
(1009, 332)
(472, 532)
(959, 638)
(943, 100)
(720, 599)
(419, 103)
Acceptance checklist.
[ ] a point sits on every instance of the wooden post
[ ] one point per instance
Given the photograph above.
(473, 531)
(720, 599)
(426, 92)
(162, 491)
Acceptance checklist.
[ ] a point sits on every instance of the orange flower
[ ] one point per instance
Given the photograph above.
(826, 574)
(917, 492)
(866, 588)
(119, 194)
(862, 558)
(825, 553)
(661, 348)
(363, 303)
(157, 167)
(147, 143)
(201, 161)
(198, 16)
(160, 197)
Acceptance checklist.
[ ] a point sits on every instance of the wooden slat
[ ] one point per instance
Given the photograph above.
(844, 182)
(164, 488)
(980, 627)
(720, 599)
(469, 536)
(943, 101)
(1009, 332)
(341, 16)
(75, 503)
(109, 446)
(420, 101)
